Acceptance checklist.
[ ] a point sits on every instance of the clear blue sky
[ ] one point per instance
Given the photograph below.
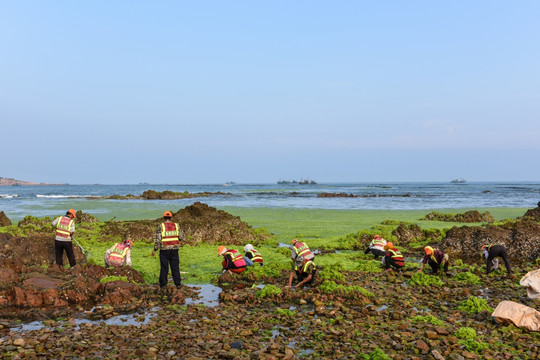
(254, 91)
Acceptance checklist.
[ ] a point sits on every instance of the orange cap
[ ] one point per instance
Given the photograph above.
(483, 246)
(388, 245)
(167, 214)
(294, 240)
(428, 250)
(221, 249)
(72, 212)
(377, 236)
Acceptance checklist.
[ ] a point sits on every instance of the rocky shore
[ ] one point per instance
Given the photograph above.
(360, 313)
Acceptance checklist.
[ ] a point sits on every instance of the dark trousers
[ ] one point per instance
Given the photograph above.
(59, 247)
(389, 261)
(498, 251)
(169, 258)
(435, 266)
(376, 252)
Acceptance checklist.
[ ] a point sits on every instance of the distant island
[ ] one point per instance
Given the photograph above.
(301, 182)
(13, 182)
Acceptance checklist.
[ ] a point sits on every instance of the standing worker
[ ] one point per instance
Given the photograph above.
(376, 246)
(233, 261)
(252, 256)
(119, 254)
(167, 240)
(493, 251)
(393, 258)
(304, 271)
(435, 258)
(301, 249)
(65, 228)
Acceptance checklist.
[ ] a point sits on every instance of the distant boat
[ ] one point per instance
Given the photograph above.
(229, 183)
(284, 182)
(458, 181)
(307, 182)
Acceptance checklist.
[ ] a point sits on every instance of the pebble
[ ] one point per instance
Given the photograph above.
(437, 355)
(237, 344)
(19, 342)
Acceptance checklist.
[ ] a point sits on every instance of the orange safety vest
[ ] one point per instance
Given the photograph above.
(170, 234)
(117, 255)
(397, 256)
(256, 256)
(237, 258)
(378, 242)
(63, 227)
(304, 268)
(302, 249)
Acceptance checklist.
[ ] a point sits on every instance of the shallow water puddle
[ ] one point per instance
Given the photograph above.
(123, 319)
(208, 293)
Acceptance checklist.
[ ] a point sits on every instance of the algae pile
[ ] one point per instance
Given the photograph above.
(352, 311)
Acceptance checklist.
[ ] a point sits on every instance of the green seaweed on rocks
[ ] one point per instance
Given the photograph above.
(272, 269)
(376, 354)
(329, 286)
(473, 345)
(369, 266)
(420, 278)
(475, 305)
(286, 312)
(332, 272)
(465, 333)
(468, 278)
(111, 278)
(468, 336)
(428, 319)
(269, 290)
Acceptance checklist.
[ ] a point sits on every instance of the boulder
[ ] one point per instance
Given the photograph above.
(521, 239)
(8, 277)
(4, 220)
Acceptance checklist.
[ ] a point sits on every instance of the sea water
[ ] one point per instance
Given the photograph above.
(52, 200)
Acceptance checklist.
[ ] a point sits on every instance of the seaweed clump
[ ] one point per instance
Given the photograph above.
(423, 279)
(329, 286)
(269, 290)
(468, 278)
(475, 305)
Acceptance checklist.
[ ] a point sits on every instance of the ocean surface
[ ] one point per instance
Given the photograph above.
(51, 200)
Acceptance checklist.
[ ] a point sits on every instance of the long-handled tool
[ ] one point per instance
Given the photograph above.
(79, 245)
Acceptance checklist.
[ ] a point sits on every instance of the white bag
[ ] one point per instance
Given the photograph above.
(531, 281)
(520, 315)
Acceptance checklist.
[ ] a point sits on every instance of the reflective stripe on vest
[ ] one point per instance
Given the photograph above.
(304, 267)
(256, 256)
(119, 252)
(378, 242)
(237, 258)
(63, 227)
(170, 234)
(397, 256)
(302, 249)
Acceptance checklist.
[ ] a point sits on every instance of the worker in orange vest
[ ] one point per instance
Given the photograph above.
(65, 228)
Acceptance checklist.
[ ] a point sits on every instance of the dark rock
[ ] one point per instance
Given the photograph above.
(4, 220)
(521, 239)
(237, 345)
